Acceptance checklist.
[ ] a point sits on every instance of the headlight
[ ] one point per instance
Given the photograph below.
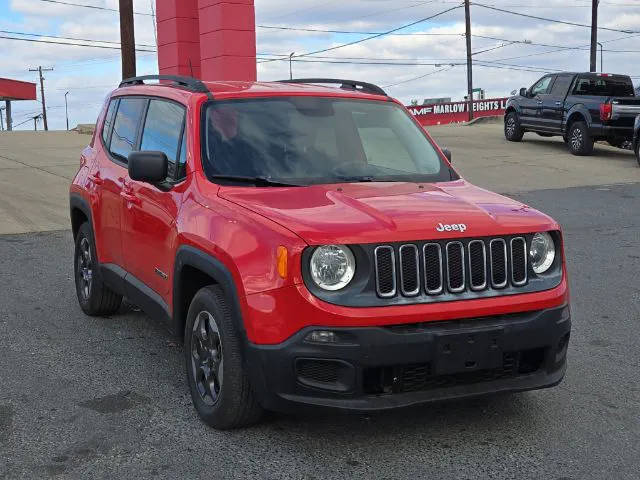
(542, 252)
(332, 266)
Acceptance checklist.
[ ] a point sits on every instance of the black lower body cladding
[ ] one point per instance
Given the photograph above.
(378, 368)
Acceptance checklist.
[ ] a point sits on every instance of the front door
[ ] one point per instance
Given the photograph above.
(531, 105)
(149, 212)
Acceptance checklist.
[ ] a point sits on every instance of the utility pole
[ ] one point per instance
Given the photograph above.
(594, 35)
(44, 105)
(66, 109)
(467, 19)
(601, 59)
(9, 120)
(127, 39)
(290, 67)
(1, 119)
(35, 123)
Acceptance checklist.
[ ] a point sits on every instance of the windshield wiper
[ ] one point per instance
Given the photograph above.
(258, 181)
(357, 178)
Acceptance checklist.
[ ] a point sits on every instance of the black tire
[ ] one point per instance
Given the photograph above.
(637, 151)
(580, 142)
(94, 297)
(219, 386)
(513, 132)
(543, 134)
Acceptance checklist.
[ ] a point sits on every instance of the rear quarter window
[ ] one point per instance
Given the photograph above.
(108, 122)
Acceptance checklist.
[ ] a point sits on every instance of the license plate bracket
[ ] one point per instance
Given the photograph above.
(468, 351)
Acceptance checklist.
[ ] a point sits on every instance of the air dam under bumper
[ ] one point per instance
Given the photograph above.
(377, 368)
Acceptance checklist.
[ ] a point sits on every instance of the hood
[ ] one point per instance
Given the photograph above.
(389, 211)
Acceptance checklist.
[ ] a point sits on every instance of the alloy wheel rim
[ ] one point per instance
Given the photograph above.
(576, 139)
(206, 358)
(511, 126)
(85, 268)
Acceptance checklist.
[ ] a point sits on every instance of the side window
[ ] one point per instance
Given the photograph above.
(163, 131)
(561, 85)
(125, 127)
(541, 87)
(108, 122)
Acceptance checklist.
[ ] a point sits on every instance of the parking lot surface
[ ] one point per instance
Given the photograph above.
(85, 397)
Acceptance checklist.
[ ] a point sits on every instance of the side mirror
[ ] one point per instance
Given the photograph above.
(447, 153)
(523, 92)
(150, 167)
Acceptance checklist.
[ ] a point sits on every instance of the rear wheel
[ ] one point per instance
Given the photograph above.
(513, 132)
(218, 382)
(580, 142)
(637, 150)
(94, 296)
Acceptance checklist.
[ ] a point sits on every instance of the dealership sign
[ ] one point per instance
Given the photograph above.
(443, 113)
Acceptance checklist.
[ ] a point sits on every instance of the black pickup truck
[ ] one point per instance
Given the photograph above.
(582, 107)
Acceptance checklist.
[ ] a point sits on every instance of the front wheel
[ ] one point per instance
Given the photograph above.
(580, 142)
(218, 382)
(513, 132)
(94, 297)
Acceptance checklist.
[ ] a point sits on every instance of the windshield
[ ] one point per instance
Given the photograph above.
(305, 140)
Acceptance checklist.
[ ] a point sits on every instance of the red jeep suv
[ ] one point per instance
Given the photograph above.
(314, 247)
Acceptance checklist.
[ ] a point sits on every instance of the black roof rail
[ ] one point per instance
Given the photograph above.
(346, 84)
(189, 83)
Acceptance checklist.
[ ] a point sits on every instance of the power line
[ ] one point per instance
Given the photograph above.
(8, 32)
(419, 77)
(69, 43)
(564, 22)
(370, 37)
(95, 7)
(352, 32)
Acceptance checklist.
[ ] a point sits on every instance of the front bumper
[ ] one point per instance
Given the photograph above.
(377, 368)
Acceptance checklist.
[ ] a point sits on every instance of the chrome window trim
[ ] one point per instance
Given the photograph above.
(476, 288)
(506, 263)
(526, 264)
(417, 289)
(393, 271)
(426, 286)
(464, 280)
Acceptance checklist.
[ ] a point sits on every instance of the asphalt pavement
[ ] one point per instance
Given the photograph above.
(85, 397)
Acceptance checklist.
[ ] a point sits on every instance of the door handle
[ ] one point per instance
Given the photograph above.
(558, 104)
(130, 197)
(539, 102)
(95, 179)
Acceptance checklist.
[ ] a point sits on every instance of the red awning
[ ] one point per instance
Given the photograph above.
(17, 90)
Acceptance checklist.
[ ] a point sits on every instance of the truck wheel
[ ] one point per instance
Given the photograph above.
(218, 382)
(637, 150)
(580, 142)
(512, 129)
(94, 296)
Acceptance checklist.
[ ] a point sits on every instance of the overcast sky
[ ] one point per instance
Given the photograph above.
(88, 74)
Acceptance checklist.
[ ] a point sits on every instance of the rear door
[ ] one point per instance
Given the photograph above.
(149, 212)
(553, 103)
(531, 104)
(118, 137)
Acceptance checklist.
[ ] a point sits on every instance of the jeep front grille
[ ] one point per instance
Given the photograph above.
(468, 265)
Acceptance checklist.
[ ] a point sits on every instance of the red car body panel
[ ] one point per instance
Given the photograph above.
(141, 227)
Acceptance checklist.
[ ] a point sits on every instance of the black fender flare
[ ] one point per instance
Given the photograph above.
(187, 255)
(511, 107)
(77, 201)
(577, 109)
